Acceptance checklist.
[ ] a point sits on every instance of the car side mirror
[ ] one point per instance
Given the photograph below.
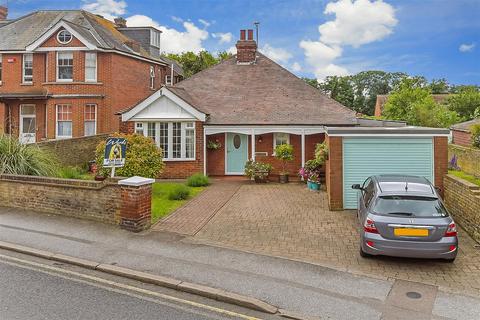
(357, 187)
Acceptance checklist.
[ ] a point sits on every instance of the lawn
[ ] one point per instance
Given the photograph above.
(161, 205)
(465, 176)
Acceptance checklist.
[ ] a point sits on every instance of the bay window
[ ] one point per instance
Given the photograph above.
(27, 68)
(64, 121)
(177, 139)
(65, 66)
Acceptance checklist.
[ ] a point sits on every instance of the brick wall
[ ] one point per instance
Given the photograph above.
(91, 200)
(440, 158)
(108, 201)
(334, 172)
(216, 158)
(73, 152)
(468, 158)
(462, 199)
(462, 138)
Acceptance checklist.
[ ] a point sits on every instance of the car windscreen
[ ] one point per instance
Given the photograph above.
(409, 206)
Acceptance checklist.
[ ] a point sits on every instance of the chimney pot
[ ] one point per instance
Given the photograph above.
(3, 12)
(120, 22)
(250, 34)
(242, 34)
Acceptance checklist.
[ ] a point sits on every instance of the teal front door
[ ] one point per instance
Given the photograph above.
(237, 153)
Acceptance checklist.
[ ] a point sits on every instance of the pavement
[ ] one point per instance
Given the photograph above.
(301, 288)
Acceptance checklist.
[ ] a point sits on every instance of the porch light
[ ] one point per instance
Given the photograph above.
(260, 139)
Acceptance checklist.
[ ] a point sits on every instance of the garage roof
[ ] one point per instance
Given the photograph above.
(393, 131)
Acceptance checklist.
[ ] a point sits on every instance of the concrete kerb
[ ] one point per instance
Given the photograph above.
(201, 290)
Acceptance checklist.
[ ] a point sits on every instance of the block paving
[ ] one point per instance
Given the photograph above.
(292, 222)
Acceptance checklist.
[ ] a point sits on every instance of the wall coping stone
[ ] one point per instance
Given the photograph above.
(58, 182)
(468, 184)
(136, 181)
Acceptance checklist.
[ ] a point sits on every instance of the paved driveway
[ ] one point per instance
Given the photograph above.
(290, 221)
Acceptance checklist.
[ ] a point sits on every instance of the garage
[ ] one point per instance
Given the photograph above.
(355, 153)
(364, 157)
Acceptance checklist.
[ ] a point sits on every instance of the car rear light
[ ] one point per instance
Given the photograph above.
(369, 226)
(370, 243)
(452, 230)
(452, 248)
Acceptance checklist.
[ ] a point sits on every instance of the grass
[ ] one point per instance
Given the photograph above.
(465, 176)
(161, 205)
(75, 173)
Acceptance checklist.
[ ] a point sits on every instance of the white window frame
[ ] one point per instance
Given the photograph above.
(152, 77)
(168, 80)
(275, 140)
(64, 31)
(185, 125)
(139, 126)
(56, 121)
(24, 59)
(58, 67)
(155, 38)
(94, 120)
(93, 54)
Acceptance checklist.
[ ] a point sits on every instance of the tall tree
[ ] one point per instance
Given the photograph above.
(466, 102)
(193, 63)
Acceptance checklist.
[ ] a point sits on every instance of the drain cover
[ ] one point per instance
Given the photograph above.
(413, 295)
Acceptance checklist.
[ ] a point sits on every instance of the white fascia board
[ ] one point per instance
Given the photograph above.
(264, 129)
(183, 104)
(130, 115)
(37, 43)
(41, 49)
(374, 135)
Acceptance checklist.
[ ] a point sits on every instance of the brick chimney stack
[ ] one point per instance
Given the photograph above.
(3, 13)
(120, 22)
(246, 48)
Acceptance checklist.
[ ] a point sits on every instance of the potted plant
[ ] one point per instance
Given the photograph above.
(214, 144)
(313, 182)
(313, 169)
(258, 171)
(284, 152)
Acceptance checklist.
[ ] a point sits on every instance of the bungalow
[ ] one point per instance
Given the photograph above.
(461, 134)
(242, 108)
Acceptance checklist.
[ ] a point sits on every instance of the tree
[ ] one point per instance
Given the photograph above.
(413, 103)
(439, 86)
(465, 102)
(339, 89)
(193, 63)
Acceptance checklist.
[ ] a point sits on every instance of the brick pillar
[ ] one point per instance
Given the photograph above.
(440, 161)
(334, 172)
(136, 202)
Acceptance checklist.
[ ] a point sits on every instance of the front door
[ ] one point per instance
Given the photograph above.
(28, 123)
(237, 153)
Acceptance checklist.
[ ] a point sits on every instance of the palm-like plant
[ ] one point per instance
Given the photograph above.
(17, 158)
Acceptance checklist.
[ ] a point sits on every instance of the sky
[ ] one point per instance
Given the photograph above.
(313, 38)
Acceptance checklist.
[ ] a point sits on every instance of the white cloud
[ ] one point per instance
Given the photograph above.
(109, 9)
(356, 23)
(279, 55)
(223, 37)
(177, 19)
(205, 23)
(296, 67)
(466, 47)
(172, 40)
(232, 50)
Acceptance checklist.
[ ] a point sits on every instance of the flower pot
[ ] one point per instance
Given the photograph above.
(260, 179)
(100, 178)
(315, 186)
(283, 178)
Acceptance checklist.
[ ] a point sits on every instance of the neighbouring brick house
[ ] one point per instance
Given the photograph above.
(461, 132)
(249, 104)
(65, 74)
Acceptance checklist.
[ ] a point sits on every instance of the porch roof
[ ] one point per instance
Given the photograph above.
(24, 95)
(263, 129)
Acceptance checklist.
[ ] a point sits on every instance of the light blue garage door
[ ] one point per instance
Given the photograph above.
(364, 157)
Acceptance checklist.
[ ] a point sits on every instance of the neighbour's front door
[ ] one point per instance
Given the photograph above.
(237, 153)
(27, 123)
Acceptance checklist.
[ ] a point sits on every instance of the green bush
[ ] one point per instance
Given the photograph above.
(179, 192)
(475, 132)
(143, 158)
(198, 180)
(79, 173)
(18, 158)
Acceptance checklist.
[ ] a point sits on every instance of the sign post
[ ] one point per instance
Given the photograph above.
(115, 152)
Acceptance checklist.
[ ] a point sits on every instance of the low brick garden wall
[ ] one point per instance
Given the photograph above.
(462, 199)
(468, 159)
(75, 151)
(110, 201)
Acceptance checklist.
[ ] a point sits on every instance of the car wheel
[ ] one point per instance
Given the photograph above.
(363, 254)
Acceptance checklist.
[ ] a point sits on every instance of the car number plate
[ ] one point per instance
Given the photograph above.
(411, 232)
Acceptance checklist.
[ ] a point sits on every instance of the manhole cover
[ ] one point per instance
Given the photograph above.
(414, 295)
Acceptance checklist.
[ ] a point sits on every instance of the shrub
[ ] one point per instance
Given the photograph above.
(179, 192)
(198, 180)
(475, 132)
(284, 152)
(74, 173)
(143, 157)
(18, 158)
(255, 169)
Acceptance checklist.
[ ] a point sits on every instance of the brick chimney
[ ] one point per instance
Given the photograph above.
(246, 48)
(3, 13)
(120, 22)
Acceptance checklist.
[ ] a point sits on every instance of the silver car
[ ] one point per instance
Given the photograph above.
(404, 216)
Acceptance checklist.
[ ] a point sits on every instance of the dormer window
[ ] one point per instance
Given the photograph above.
(64, 37)
(154, 38)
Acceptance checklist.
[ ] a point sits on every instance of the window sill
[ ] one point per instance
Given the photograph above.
(63, 137)
(72, 82)
(179, 159)
(26, 84)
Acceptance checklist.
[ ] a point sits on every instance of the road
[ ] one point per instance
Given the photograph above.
(32, 290)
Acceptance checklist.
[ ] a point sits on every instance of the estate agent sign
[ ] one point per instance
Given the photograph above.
(115, 151)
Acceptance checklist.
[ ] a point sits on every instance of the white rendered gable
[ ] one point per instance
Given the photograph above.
(163, 108)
